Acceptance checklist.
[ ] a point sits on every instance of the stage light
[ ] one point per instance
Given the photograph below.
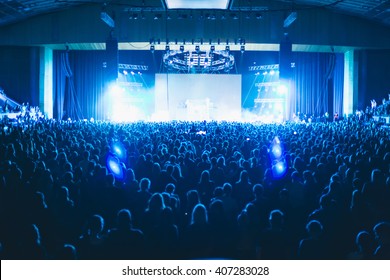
(212, 48)
(259, 16)
(125, 72)
(282, 89)
(118, 150)
(132, 73)
(242, 49)
(92, 120)
(279, 169)
(107, 19)
(290, 19)
(114, 166)
(227, 48)
(152, 48)
(197, 4)
(182, 48)
(197, 48)
(167, 48)
(276, 149)
(272, 72)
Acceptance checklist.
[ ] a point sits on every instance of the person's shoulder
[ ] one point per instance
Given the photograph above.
(137, 232)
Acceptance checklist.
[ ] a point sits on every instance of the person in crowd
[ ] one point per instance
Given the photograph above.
(123, 241)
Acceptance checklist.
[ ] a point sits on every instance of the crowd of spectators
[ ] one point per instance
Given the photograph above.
(194, 190)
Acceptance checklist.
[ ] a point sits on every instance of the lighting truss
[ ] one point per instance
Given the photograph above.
(199, 61)
(264, 67)
(133, 67)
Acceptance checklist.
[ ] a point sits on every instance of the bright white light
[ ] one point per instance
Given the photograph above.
(272, 72)
(277, 151)
(282, 89)
(197, 4)
(115, 89)
(115, 167)
(92, 120)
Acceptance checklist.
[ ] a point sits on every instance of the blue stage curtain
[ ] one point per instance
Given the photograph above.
(78, 93)
(310, 86)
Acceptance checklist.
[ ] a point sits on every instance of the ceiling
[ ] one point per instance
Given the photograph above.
(12, 11)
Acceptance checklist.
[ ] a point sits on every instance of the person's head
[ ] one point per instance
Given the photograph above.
(258, 190)
(227, 189)
(170, 188)
(63, 194)
(276, 218)
(124, 219)
(68, 252)
(216, 211)
(382, 232)
(144, 184)
(364, 241)
(96, 224)
(130, 174)
(199, 214)
(156, 202)
(314, 228)
(192, 197)
(205, 176)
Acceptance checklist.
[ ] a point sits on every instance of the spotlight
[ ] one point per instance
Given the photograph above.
(242, 48)
(197, 48)
(157, 16)
(114, 166)
(125, 72)
(279, 169)
(118, 149)
(167, 48)
(227, 48)
(152, 48)
(212, 48)
(182, 48)
(135, 16)
(259, 16)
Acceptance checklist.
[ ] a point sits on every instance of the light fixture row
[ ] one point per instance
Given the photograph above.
(239, 41)
(212, 16)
